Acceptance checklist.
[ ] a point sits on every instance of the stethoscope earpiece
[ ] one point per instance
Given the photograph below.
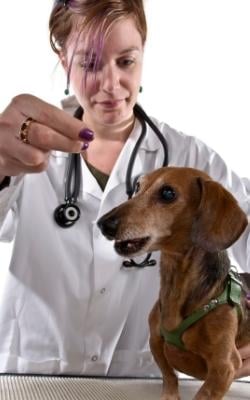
(66, 215)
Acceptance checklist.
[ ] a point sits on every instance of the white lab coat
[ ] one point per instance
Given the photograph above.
(68, 306)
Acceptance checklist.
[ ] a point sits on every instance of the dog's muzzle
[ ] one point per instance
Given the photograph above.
(108, 226)
(130, 247)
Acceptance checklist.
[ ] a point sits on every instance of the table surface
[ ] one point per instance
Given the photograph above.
(74, 388)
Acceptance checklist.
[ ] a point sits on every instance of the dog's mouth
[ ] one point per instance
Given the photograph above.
(131, 246)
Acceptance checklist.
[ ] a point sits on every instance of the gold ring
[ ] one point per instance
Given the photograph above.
(24, 130)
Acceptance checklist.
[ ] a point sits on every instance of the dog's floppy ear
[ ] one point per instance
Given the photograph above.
(220, 221)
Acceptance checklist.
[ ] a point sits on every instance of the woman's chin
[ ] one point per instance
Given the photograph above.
(114, 117)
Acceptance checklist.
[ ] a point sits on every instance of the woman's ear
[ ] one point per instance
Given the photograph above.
(220, 221)
(63, 61)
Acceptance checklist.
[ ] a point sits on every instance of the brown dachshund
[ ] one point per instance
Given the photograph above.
(200, 317)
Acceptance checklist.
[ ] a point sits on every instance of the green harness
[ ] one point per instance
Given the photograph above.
(231, 295)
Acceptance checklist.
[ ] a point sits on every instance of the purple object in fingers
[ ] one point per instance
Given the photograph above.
(86, 134)
(85, 146)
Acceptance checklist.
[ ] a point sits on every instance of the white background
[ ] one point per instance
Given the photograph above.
(196, 73)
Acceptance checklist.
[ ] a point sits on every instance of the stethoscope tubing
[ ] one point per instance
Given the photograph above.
(68, 212)
(73, 173)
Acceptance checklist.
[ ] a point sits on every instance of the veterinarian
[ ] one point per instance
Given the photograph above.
(71, 305)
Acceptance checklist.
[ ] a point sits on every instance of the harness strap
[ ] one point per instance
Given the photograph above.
(231, 295)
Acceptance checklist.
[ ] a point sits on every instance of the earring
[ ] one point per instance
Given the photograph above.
(140, 89)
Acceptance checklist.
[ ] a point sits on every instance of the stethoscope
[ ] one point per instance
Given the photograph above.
(68, 213)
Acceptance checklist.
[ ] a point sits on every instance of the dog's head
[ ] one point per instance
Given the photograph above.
(173, 209)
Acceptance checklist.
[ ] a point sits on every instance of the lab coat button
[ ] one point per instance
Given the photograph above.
(103, 290)
(94, 358)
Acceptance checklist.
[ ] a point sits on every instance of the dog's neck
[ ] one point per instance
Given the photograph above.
(190, 281)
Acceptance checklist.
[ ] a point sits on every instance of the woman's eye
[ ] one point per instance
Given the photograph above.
(126, 62)
(88, 65)
(168, 194)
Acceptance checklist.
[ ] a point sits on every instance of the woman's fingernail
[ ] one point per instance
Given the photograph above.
(248, 296)
(86, 134)
(85, 146)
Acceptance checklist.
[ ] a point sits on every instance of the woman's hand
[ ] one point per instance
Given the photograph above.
(245, 354)
(245, 369)
(51, 129)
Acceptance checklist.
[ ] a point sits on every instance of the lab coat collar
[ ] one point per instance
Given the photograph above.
(118, 174)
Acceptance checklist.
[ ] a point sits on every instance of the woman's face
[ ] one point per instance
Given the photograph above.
(109, 93)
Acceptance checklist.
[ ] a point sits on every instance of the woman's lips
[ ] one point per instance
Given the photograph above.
(110, 103)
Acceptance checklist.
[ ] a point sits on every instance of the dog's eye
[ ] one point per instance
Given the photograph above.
(167, 194)
(137, 187)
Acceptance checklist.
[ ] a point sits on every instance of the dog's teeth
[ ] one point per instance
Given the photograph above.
(129, 246)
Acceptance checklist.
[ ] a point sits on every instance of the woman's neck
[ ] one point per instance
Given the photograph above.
(108, 143)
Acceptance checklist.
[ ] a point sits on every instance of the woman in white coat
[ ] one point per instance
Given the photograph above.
(69, 305)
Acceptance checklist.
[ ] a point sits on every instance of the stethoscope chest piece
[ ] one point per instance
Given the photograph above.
(67, 214)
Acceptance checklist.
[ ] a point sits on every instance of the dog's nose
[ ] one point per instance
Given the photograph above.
(108, 226)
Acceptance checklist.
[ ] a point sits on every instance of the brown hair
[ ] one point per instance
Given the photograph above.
(99, 15)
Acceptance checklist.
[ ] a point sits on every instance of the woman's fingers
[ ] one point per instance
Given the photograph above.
(248, 300)
(30, 128)
(46, 114)
(245, 352)
(245, 368)
(11, 148)
(13, 167)
(45, 138)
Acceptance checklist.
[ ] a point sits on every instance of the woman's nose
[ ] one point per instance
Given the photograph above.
(110, 79)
